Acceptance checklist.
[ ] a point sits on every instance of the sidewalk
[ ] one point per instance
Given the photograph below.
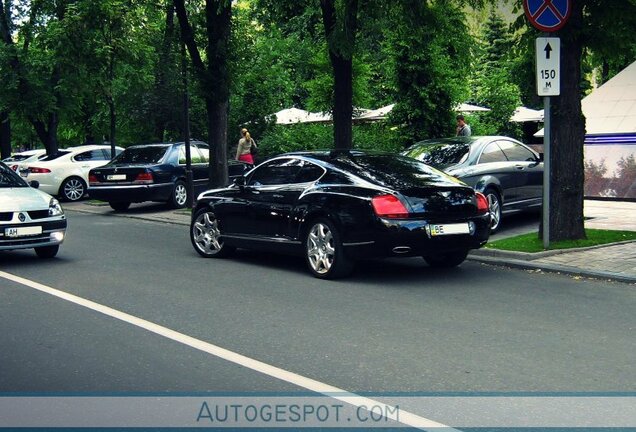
(615, 262)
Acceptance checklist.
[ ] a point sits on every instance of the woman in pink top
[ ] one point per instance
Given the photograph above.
(244, 149)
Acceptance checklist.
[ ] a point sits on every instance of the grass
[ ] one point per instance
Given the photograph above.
(532, 243)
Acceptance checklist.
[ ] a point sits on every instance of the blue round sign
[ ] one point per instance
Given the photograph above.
(547, 15)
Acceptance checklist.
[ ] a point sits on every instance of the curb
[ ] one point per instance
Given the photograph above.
(553, 268)
(146, 217)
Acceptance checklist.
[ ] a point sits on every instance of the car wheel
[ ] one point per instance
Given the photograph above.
(324, 251)
(179, 196)
(47, 251)
(73, 189)
(119, 206)
(206, 236)
(447, 260)
(494, 207)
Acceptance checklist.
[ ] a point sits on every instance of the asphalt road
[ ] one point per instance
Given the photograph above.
(395, 325)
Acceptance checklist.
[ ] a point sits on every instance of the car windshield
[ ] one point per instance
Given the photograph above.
(141, 155)
(55, 155)
(439, 154)
(9, 179)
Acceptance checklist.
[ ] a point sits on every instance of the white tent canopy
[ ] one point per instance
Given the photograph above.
(464, 107)
(374, 115)
(296, 115)
(611, 108)
(523, 114)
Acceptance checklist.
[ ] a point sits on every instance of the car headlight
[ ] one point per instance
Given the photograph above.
(55, 209)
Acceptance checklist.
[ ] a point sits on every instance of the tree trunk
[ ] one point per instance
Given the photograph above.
(341, 43)
(217, 127)
(113, 127)
(213, 78)
(5, 135)
(343, 102)
(568, 136)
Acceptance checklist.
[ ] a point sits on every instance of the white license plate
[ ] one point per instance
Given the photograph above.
(116, 177)
(25, 231)
(449, 229)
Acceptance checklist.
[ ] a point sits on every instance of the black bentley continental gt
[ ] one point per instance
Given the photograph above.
(336, 207)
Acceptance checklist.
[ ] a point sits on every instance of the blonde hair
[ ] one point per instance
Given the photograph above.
(248, 137)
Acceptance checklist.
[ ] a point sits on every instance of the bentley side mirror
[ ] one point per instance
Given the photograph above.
(240, 182)
(34, 184)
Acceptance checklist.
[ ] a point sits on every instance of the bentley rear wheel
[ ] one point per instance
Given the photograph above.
(324, 251)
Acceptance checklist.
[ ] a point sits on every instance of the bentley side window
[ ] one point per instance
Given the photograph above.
(276, 172)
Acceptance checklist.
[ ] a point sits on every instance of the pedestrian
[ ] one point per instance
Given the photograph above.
(246, 148)
(463, 128)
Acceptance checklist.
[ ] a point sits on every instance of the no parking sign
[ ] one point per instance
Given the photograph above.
(547, 15)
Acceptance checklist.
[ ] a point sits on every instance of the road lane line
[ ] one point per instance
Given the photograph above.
(401, 416)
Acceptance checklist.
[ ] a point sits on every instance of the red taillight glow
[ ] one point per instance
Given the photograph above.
(92, 179)
(34, 170)
(482, 203)
(144, 177)
(388, 206)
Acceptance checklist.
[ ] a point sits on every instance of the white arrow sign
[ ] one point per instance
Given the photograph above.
(548, 66)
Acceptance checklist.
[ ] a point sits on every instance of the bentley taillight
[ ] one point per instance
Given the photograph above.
(389, 206)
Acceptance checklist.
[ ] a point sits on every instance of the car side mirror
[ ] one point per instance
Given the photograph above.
(34, 184)
(240, 182)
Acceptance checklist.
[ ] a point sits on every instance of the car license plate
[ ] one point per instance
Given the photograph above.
(25, 231)
(449, 229)
(116, 177)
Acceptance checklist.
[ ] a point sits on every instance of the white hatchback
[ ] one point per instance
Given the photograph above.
(29, 218)
(65, 173)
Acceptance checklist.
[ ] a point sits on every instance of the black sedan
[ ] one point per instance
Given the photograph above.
(335, 207)
(154, 172)
(509, 173)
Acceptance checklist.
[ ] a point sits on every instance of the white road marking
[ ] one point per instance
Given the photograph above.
(401, 416)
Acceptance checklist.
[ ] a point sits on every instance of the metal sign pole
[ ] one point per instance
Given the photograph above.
(546, 172)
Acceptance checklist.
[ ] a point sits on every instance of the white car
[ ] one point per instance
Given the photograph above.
(65, 173)
(29, 218)
(17, 160)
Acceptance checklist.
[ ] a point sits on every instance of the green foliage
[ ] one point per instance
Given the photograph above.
(287, 138)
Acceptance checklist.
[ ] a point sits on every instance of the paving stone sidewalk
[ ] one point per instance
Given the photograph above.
(616, 262)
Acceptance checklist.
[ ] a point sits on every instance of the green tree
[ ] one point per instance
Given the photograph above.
(493, 82)
(430, 49)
